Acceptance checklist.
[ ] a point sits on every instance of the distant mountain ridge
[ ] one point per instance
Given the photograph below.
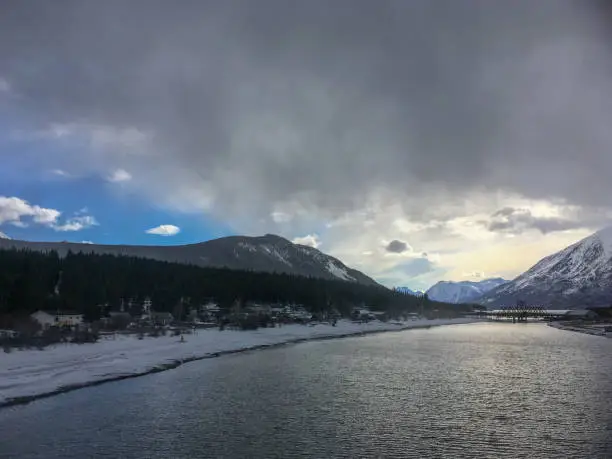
(578, 276)
(464, 291)
(409, 291)
(269, 253)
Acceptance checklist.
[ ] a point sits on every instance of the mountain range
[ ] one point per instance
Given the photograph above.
(269, 253)
(576, 277)
(464, 291)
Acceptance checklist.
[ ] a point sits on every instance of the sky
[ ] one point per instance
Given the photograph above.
(417, 141)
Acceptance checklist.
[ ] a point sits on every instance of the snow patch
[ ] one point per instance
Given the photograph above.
(274, 252)
(338, 271)
(247, 246)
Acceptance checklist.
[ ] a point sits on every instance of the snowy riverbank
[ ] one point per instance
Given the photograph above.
(31, 374)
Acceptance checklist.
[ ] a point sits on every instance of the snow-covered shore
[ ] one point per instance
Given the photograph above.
(31, 374)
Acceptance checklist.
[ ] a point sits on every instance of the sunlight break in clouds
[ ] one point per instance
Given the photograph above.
(311, 240)
(164, 230)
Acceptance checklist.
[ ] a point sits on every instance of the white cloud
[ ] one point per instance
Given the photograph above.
(61, 173)
(119, 175)
(86, 242)
(13, 209)
(164, 230)
(46, 216)
(77, 223)
(311, 240)
(3, 235)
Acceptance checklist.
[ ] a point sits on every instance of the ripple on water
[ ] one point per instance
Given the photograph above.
(481, 391)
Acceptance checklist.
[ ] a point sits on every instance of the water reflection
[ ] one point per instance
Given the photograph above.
(486, 390)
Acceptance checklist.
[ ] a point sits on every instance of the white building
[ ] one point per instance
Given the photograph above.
(147, 309)
(48, 319)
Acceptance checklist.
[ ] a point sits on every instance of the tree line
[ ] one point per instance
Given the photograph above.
(81, 282)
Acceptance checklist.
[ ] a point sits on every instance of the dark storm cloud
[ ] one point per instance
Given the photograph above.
(396, 246)
(326, 101)
(516, 221)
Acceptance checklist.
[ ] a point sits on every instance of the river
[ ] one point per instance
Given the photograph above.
(487, 390)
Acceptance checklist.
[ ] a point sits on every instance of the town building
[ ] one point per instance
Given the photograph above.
(48, 319)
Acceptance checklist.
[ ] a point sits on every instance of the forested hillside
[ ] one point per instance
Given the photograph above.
(28, 281)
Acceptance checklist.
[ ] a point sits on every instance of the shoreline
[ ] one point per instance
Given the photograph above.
(579, 329)
(172, 363)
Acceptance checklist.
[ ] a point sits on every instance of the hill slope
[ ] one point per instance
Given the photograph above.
(267, 253)
(578, 276)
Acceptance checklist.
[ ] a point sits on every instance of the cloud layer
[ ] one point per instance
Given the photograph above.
(281, 116)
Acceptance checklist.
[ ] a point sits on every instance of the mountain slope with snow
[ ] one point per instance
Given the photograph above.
(462, 292)
(578, 276)
(269, 253)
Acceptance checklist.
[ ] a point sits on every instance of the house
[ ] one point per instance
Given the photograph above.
(147, 308)
(362, 314)
(209, 311)
(8, 334)
(120, 315)
(258, 308)
(48, 319)
(162, 318)
(119, 319)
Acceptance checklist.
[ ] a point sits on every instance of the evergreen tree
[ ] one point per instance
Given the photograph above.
(28, 282)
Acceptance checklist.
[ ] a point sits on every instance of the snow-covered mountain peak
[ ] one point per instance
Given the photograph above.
(578, 275)
(462, 292)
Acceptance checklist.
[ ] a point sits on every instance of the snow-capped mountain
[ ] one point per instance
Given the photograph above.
(462, 292)
(3, 236)
(269, 253)
(577, 276)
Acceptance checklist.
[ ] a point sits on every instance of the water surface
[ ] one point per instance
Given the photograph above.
(483, 390)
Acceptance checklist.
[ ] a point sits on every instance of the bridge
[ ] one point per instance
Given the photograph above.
(521, 312)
